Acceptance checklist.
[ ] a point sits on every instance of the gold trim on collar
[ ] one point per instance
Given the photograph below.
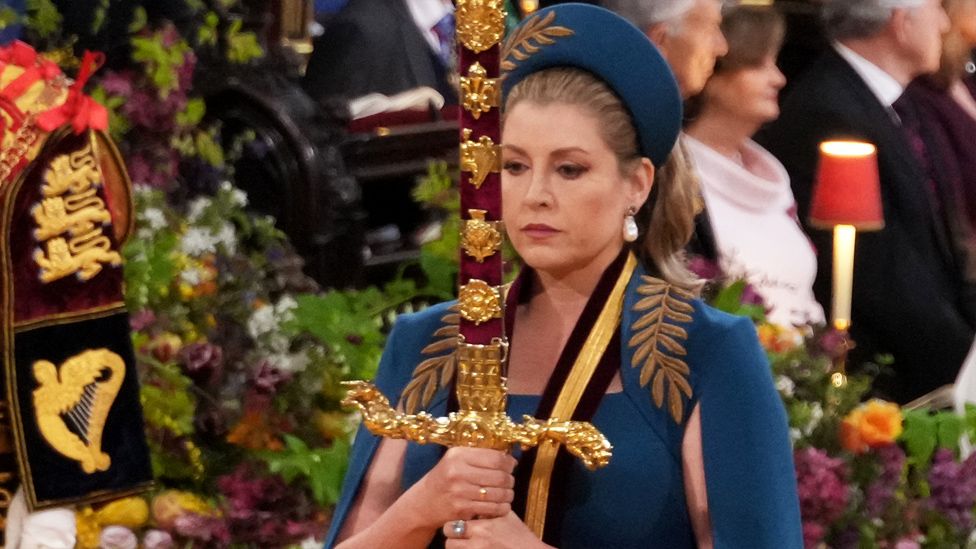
(569, 396)
(659, 341)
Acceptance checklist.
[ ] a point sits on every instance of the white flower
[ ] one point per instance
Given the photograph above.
(155, 219)
(284, 308)
(785, 386)
(310, 543)
(227, 236)
(237, 196)
(795, 435)
(196, 208)
(290, 363)
(191, 276)
(816, 416)
(261, 322)
(198, 241)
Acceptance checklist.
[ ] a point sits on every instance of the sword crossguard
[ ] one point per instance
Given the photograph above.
(481, 429)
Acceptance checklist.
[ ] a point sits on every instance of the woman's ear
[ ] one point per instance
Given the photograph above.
(641, 181)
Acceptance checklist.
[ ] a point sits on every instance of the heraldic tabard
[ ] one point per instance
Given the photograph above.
(72, 429)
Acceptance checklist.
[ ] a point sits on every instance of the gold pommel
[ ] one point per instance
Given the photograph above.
(480, 23)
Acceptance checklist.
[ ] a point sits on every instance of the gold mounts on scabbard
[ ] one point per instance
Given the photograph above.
(481, 421)
(479, 301)
(479, 94)
(480, 23)
(479, 158)
(480, 238)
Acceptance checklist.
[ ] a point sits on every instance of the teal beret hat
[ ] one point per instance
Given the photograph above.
(614, 50)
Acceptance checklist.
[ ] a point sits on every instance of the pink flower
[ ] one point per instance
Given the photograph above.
(906, 543)
(157, 539)
(822, 486)
(117, 537)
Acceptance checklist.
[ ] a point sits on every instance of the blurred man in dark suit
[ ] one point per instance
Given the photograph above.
(907, 295)
(384, 46)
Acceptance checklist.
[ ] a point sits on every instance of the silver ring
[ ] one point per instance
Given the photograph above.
(458, 528)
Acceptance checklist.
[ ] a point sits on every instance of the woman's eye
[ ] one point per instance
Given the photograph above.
(514, 167)
(570, 171)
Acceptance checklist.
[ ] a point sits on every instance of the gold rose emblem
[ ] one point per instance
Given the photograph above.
(479, 302)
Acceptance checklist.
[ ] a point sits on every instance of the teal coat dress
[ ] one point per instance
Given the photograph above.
(638, 500)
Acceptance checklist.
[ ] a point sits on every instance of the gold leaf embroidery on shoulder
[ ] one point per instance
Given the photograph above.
(659, 339)
(534, 33)
(436, 372)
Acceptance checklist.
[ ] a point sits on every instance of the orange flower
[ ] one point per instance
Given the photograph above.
(872, 424)
(778, 339)
(255, 433)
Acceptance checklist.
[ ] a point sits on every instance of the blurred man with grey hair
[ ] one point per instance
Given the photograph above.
(687, 32)
(908, 294)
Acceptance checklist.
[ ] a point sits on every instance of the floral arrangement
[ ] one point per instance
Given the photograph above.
(869, 473)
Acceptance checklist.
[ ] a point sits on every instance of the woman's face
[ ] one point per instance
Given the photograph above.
(750, 93)
(564, 198)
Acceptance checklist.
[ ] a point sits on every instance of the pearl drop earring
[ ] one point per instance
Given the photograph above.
(630, 226)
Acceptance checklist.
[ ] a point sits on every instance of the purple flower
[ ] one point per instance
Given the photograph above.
(157, 539)
(880, 492)
(202, 362)
(813, 534)
(203, 528)
(834, 343)
(269, 378)
(822, 486)
(953, 488)
(141, 320)
(704, 268)
(117, 537)
(751, 297)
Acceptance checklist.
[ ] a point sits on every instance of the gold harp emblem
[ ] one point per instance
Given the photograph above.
(480, 238)
(71, 219)
(479, 158)
(479, 302)
(480, 23)
(478, 92)
(72, 402)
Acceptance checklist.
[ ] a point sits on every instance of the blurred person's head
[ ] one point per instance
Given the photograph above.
(905, 34)
(958, 42)
(746, 82)
(686, 31)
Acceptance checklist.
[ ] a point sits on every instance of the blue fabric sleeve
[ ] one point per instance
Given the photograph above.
(388, 381)
(749, 474)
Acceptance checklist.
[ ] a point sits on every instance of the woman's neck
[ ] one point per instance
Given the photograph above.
(567, 292)
(724, 132)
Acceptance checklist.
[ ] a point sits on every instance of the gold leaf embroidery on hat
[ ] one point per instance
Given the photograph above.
(436, 372)
(659, 340)
(534, 33)
(72, 403)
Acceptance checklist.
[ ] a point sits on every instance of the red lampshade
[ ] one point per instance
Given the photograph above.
(847, 191)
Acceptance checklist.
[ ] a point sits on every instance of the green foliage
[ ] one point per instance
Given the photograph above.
(160, 60)
(242, 47)
(8, 17)
(322, 469)
(139, 20)
(729, 299)
(350, 323)
(98, 21)
(118, 124)
(926, 430)
(43, 18)
(208, 32)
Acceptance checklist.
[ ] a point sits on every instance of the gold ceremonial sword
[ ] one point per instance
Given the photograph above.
(482, 351)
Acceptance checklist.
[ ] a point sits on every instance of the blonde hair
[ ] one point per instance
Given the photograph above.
(668, 216)
(955, 50)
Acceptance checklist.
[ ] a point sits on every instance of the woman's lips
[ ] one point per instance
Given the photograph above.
(538, 230)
